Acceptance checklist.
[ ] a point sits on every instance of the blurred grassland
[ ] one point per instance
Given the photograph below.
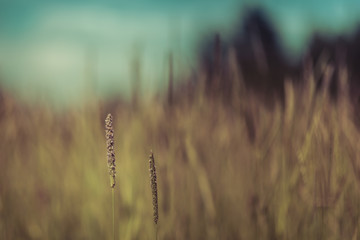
(238, 170)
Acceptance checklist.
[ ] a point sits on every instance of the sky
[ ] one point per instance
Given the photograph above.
(49, 48)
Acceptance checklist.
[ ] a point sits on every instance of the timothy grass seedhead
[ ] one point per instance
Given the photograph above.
(109, 133)
(153, 183)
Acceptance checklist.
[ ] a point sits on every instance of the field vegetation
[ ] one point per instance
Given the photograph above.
(226, 169)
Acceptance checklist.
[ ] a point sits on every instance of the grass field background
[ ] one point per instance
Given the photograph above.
(226, 170)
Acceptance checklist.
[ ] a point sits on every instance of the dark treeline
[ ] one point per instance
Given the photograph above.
(264, 65)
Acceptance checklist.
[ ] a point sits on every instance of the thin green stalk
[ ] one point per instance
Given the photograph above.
(156, 232)
(113, 212)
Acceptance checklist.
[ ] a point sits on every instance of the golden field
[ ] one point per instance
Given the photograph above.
(226, 170)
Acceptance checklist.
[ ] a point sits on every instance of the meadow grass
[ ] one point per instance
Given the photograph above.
(109, 134)
(154, 191)
(237, 170)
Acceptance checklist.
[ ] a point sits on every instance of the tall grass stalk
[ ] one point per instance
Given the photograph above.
(109, 133)
(153, 183)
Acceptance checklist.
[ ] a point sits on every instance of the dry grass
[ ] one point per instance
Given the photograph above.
(225, 172)
(154, 191)
(109, 134)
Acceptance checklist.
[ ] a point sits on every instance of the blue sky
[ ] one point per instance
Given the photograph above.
(44, 44)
